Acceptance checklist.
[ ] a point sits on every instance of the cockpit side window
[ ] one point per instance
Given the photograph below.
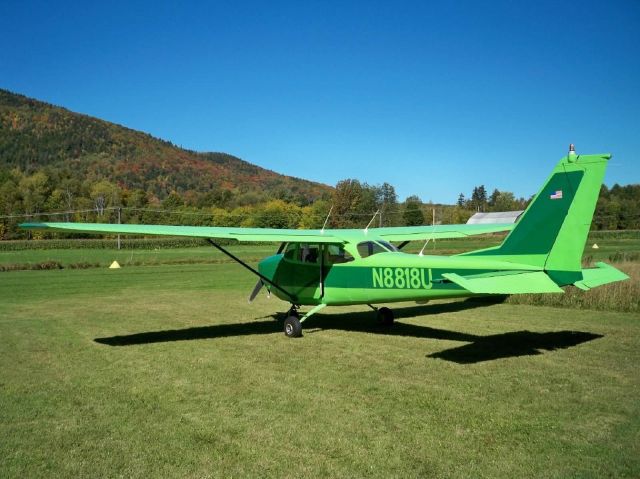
(369, 248)
(302, 252)
(309, 253)
(336, 254)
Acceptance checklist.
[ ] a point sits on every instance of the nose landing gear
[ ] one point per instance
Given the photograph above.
(292, 327)
(293, 322)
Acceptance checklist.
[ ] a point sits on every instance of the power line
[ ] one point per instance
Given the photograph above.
(56, 213)
(232, 215)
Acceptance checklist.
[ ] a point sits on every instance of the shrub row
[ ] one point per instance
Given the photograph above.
(126, 243)
(615, 234)
(617, 257)
(31, 266)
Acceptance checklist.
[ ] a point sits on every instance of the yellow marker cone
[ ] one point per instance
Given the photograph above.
(595, 246)
(114, 265)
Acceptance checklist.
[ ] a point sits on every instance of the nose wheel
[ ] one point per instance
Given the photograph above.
(293, 323)
(292, 326)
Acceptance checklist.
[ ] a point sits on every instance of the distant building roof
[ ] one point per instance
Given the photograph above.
(495, 217)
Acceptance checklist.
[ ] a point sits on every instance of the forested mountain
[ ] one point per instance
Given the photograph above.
(80, 150)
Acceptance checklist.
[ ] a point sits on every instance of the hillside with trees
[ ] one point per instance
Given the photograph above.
(70, 148)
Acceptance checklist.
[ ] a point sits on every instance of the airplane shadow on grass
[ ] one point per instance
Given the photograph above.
(477, 349)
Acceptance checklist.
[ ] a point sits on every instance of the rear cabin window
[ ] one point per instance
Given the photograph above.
(369, 248)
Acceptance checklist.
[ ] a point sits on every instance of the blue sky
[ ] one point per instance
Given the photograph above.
(433, 97)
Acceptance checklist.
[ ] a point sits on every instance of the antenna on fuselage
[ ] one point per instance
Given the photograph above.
(369, 224)
(326, 219)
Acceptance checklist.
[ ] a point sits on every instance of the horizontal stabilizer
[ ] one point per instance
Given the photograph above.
(602, 274)
(513, 282)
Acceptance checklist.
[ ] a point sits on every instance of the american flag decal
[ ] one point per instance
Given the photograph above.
(556, 195)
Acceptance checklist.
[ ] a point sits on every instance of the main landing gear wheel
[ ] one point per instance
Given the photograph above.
(292, 327)
(385, 316)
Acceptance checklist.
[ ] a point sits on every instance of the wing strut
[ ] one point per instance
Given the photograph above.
(254, 271)
(403, 244)
(322, 251)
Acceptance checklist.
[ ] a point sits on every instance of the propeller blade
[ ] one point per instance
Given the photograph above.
(256, 290)
(260, 284)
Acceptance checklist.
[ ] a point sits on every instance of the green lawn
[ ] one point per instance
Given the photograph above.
(167, 371)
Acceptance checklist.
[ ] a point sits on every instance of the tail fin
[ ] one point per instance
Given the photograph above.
(553, 230)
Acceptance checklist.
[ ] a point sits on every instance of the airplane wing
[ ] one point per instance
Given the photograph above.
(411, 233)
(335, 236)
(220, 232)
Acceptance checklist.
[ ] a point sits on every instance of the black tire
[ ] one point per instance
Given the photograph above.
(385, 316)
(292, 327)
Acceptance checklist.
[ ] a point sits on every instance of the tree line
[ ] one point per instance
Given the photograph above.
(496, 201)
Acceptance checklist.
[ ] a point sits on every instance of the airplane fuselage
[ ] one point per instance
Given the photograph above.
(389, 276)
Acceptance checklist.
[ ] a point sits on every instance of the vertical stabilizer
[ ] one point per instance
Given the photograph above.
(553, 230)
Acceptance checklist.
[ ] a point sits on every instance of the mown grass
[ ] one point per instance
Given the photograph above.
(167, 371)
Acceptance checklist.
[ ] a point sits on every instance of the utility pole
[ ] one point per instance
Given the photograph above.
(119, 219)
(433, 221)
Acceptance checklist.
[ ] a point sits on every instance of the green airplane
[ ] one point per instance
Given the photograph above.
(337, 267)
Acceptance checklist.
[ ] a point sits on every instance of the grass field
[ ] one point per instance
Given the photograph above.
(167, 371)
